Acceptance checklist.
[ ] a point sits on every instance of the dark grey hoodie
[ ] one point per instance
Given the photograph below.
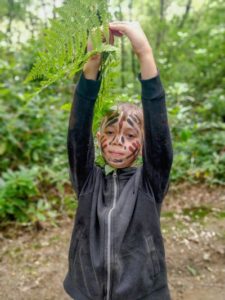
(116, 249)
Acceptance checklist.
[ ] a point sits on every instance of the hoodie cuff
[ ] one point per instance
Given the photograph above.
(88, 88)
(151, 88)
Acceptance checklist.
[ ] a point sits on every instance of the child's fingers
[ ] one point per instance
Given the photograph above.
(89, 45)
(119, 28)
(121, 22)
(121, 25)
(111, 38)
(116, 32)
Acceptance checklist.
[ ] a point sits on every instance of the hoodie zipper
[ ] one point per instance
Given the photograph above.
(109, 236)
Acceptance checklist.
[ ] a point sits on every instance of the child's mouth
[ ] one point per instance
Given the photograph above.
(116, 154)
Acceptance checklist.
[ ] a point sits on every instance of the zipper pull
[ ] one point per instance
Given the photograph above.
(114, 174)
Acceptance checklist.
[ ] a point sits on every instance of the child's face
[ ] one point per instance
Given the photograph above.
(120, 139)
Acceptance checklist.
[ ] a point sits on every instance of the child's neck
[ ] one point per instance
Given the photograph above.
(109, 168)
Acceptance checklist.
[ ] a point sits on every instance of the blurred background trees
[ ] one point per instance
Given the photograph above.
(187, 37)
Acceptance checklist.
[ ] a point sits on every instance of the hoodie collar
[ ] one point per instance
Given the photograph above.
(122, 173)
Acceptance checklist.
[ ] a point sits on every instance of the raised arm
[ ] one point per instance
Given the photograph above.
(157, 146)
(80, 145)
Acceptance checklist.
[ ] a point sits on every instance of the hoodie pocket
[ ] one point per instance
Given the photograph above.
(84, 274)
(152, 258)
(136, 267)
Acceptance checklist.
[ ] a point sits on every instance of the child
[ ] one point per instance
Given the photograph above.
(117, 250)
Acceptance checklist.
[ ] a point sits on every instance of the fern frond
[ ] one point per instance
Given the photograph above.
(64, 42)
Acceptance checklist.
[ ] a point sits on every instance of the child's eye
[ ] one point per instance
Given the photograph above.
(130, 135)
(109, 132)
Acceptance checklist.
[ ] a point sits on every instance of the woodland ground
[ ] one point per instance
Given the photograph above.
(34, 263)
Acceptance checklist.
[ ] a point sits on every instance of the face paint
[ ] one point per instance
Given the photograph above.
(121, 139)
(109, 118)
(134, 149)
(130, 122)
(122, 120)
(114, 120)
(139, 121)
(135, 127)
(134, 119)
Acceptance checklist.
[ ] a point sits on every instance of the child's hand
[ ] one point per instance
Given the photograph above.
(92, 65)
(140, 45)
(135, 34)
(97, 56)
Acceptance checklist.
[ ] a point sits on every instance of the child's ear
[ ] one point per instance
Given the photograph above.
(140, 151)
(98, 135)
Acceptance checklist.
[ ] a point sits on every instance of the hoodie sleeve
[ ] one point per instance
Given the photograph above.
(157, 147)
(80, 144)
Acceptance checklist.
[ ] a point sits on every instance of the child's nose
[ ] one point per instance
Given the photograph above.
(118, 139)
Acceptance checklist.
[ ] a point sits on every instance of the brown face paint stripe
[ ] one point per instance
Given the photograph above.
(134, 119)
(104, 142)
(112, 140)
(104, 146)
(102, 137)
(138, 144)
(121, 121)
(112, 116)
(111, 122)
(131, 149)
(130, 122)
(122, 139)
(138, 118)
(135, 144)
(133, 154)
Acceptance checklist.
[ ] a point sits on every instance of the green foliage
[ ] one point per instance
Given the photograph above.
(30, 133)
(65, 41)
(198, 135)
(16, 188)
(35, 194)
(189, 53)
(13, 9)
(34, 178)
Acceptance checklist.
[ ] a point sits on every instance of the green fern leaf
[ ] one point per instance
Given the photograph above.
(64, 42)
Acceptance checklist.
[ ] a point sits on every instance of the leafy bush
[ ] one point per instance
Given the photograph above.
(16, 191)
(36, 194)
(198, 133)
(34, 179)
(30, 131)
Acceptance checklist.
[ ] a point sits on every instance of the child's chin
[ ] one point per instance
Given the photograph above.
(118, 165)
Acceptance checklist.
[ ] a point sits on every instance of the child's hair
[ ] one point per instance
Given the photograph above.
(127, 108)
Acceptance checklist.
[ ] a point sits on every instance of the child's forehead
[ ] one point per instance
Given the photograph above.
(117, 114)
(112, 113)
(115, 117)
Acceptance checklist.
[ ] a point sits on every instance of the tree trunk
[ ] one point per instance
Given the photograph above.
(122, 53)
(160, 31)
(187, 10)
(133, 66)
(53, 11)
(10, 19)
